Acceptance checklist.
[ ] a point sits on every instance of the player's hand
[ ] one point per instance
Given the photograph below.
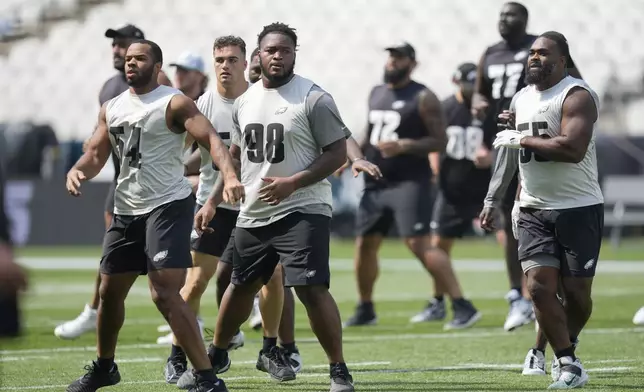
(74, 179)
(233, 190)
(507, 120)
(487, 219)
(516, 211)
(483, 158)
(364, 166)
(338, 173)
(479, 106)
(508, 138)
(390, 149)
(203, 217)
(276, 190)
(12, 277)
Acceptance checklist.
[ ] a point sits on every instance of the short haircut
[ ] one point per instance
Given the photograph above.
(522, 8)
(230, 40)
(561, 42)
(254, 53)
(155, 50)
(280, 28)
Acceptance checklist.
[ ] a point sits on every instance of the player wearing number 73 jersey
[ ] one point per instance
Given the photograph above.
(405, 125)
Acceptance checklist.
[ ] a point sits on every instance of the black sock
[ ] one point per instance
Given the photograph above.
(567, 352)
(439, 298)
(207, 374)
(217, 355)
(290, 347)
(340, 365)
(105, 363)
(177, 352)
(268, 344)
(573, 340)
(540, 350)
(518, 290)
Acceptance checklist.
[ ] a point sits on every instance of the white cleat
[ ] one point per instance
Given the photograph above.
(85, 322)
(236, 342)
(638, 318)
(167, 340)
(521, 312)
(255, 319)
(534, 364)
(164, 328)
(571, 374)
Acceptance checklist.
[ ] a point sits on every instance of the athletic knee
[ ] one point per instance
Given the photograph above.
(222, 277)
(540, 290)
(578, 297)
(367, 248)
(423, 249)
(163, 297)
(110, 293)
(311, 296)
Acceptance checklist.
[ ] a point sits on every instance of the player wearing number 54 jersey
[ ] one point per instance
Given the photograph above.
(406, 123)
(559, 216)
(153, 209)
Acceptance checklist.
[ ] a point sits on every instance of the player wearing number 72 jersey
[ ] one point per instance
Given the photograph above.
(405, 125)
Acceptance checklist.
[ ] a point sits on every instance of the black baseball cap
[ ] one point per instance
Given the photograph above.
(127, 31)
(465, 72)
(404, 48)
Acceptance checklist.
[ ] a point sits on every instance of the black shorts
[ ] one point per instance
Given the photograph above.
(453, 220)
(573, 236)
(214, 243)
(109, 199)
(407, 204)
(227, 256)
(300, 242)
(156, 240)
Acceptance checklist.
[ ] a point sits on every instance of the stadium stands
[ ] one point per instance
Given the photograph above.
(56, 79)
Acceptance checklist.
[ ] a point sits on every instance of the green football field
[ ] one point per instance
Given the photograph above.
(392, 356)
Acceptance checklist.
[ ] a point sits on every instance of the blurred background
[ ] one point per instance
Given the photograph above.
(54, 58)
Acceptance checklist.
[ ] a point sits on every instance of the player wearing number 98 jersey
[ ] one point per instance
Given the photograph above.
(405, 125)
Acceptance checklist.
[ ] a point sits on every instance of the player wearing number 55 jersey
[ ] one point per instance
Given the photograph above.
(153, 208)
(405, 124)
(559, 222)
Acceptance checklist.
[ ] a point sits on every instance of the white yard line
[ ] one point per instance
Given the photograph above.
(476, 333)
(475, 265)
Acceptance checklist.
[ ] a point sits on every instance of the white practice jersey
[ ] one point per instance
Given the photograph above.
(150, 154)
(281, 132)
(546, 184)
(219, 111)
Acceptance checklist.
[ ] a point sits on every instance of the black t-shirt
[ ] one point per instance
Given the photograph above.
(393, 115)
(503, 76)
(112, 88)
(460, 181)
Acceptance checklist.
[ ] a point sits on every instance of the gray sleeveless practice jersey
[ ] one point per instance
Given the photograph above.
(281, 132)
(219, 111)
(150, 154)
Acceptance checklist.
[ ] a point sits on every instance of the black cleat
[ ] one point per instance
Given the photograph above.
(465, 315)
(95, 378)
(364, 315)
(174, 368)
(275, 364)
(189, 380)
(209, 386)
(341, 380)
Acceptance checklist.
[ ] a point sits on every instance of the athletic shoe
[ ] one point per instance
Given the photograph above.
(364, 315)
(85, 322)
(255, 319)
(293, 358)
(572, 375)
(521, 312)
(638, 318)
(465, 315)
(534, 364)
(174, 368)
(434, 311)
(275, 364)
(341, 380)
(95, 378)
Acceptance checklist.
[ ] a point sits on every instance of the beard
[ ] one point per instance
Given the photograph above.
(538, 75)
(119, 64)
(277, 79)
(142, 79)
(395, 76)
